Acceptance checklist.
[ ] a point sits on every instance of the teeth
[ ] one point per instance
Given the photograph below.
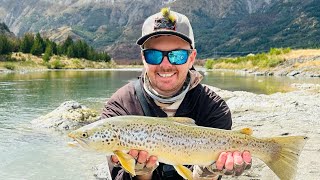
(166, 75)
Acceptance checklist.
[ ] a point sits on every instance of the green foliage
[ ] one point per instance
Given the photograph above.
(27, 43)
(5, 45)
(77, 64)
(262, 60)
(10, 66)
(56, 64)
(70, 51)
(65, 45)
(209, 63)
(278, 51)
(47, 55)
(38, 46)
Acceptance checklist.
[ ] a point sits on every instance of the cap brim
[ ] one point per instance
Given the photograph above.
(143, 39)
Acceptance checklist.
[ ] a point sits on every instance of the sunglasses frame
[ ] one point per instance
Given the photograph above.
(165, 53)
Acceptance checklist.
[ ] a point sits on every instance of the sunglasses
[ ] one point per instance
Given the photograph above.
(175, 57)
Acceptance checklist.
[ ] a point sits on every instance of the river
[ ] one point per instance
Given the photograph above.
(26, 153)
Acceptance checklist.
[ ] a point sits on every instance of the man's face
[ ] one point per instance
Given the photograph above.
(165, 78)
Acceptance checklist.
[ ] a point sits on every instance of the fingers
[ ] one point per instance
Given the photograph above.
(152, 162)
(142, 157)
(134, 153)
(238, 163)
(233, 163)
(114, 159)
(144, 163)
(246, 155)
(221, 160)
(229, 164)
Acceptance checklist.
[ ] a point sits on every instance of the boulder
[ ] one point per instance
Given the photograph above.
(70, 115)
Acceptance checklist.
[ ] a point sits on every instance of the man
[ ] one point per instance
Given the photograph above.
(170, 86)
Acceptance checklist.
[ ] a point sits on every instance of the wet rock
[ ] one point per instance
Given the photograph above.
(70, 115)
(293, 73)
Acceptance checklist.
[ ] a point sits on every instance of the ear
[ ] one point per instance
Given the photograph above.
(192, 58)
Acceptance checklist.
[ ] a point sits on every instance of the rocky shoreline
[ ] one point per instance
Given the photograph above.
(283, 72)
(279, 114)
(275, 72)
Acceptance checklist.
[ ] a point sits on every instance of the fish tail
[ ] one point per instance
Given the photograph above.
(284, 163)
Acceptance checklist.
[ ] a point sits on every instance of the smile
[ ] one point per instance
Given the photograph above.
(166, 75)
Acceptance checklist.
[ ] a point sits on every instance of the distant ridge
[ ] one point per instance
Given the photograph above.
(5, 30)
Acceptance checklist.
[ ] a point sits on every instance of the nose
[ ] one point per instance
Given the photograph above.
(165, 62)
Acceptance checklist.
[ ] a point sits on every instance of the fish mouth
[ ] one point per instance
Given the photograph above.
(73, 144)
(77, 141)
(81, 142)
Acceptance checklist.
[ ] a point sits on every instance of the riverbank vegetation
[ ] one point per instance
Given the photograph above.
(278, 61)
(35, 52)
(21, 61)
(262, 60)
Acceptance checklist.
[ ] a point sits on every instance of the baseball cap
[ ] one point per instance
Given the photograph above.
(167, 22)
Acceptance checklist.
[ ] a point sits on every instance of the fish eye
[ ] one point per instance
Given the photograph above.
(85, 134)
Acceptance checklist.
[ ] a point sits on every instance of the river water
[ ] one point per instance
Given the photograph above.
(26, 153)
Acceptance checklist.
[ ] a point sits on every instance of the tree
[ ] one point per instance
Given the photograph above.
(5, 45)
(27, 43)
(66, 44)
(38, 46)
(48, 53)
(70, 52)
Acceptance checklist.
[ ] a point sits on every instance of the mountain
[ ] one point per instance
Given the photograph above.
(221, 27)
(4, 30)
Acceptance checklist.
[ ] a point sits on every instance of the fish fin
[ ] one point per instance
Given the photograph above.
(284, 163)
(247, 131)
(182, 120)
(126, 161)
(183, 171)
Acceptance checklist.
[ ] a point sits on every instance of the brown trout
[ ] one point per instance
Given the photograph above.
(178, 141)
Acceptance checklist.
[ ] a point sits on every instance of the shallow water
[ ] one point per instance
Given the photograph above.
(26, 153)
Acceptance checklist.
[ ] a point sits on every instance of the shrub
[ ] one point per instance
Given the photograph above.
(10, 66)
(56, 64)
(77, 64)
(46, 57)
(278, 51)
(209, 63)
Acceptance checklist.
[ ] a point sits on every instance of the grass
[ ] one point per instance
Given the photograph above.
(261, 61)
(9, 66)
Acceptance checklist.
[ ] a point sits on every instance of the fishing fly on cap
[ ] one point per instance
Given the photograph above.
(166, 14)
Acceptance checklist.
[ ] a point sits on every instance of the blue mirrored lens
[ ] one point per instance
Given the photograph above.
(153, 56)
(176, 57)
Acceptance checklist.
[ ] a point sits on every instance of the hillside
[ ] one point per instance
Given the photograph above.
(222, 28)
(4, 30)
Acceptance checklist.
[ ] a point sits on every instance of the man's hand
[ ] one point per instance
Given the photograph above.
(145, 165)
(233, 163)
(228, 163)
